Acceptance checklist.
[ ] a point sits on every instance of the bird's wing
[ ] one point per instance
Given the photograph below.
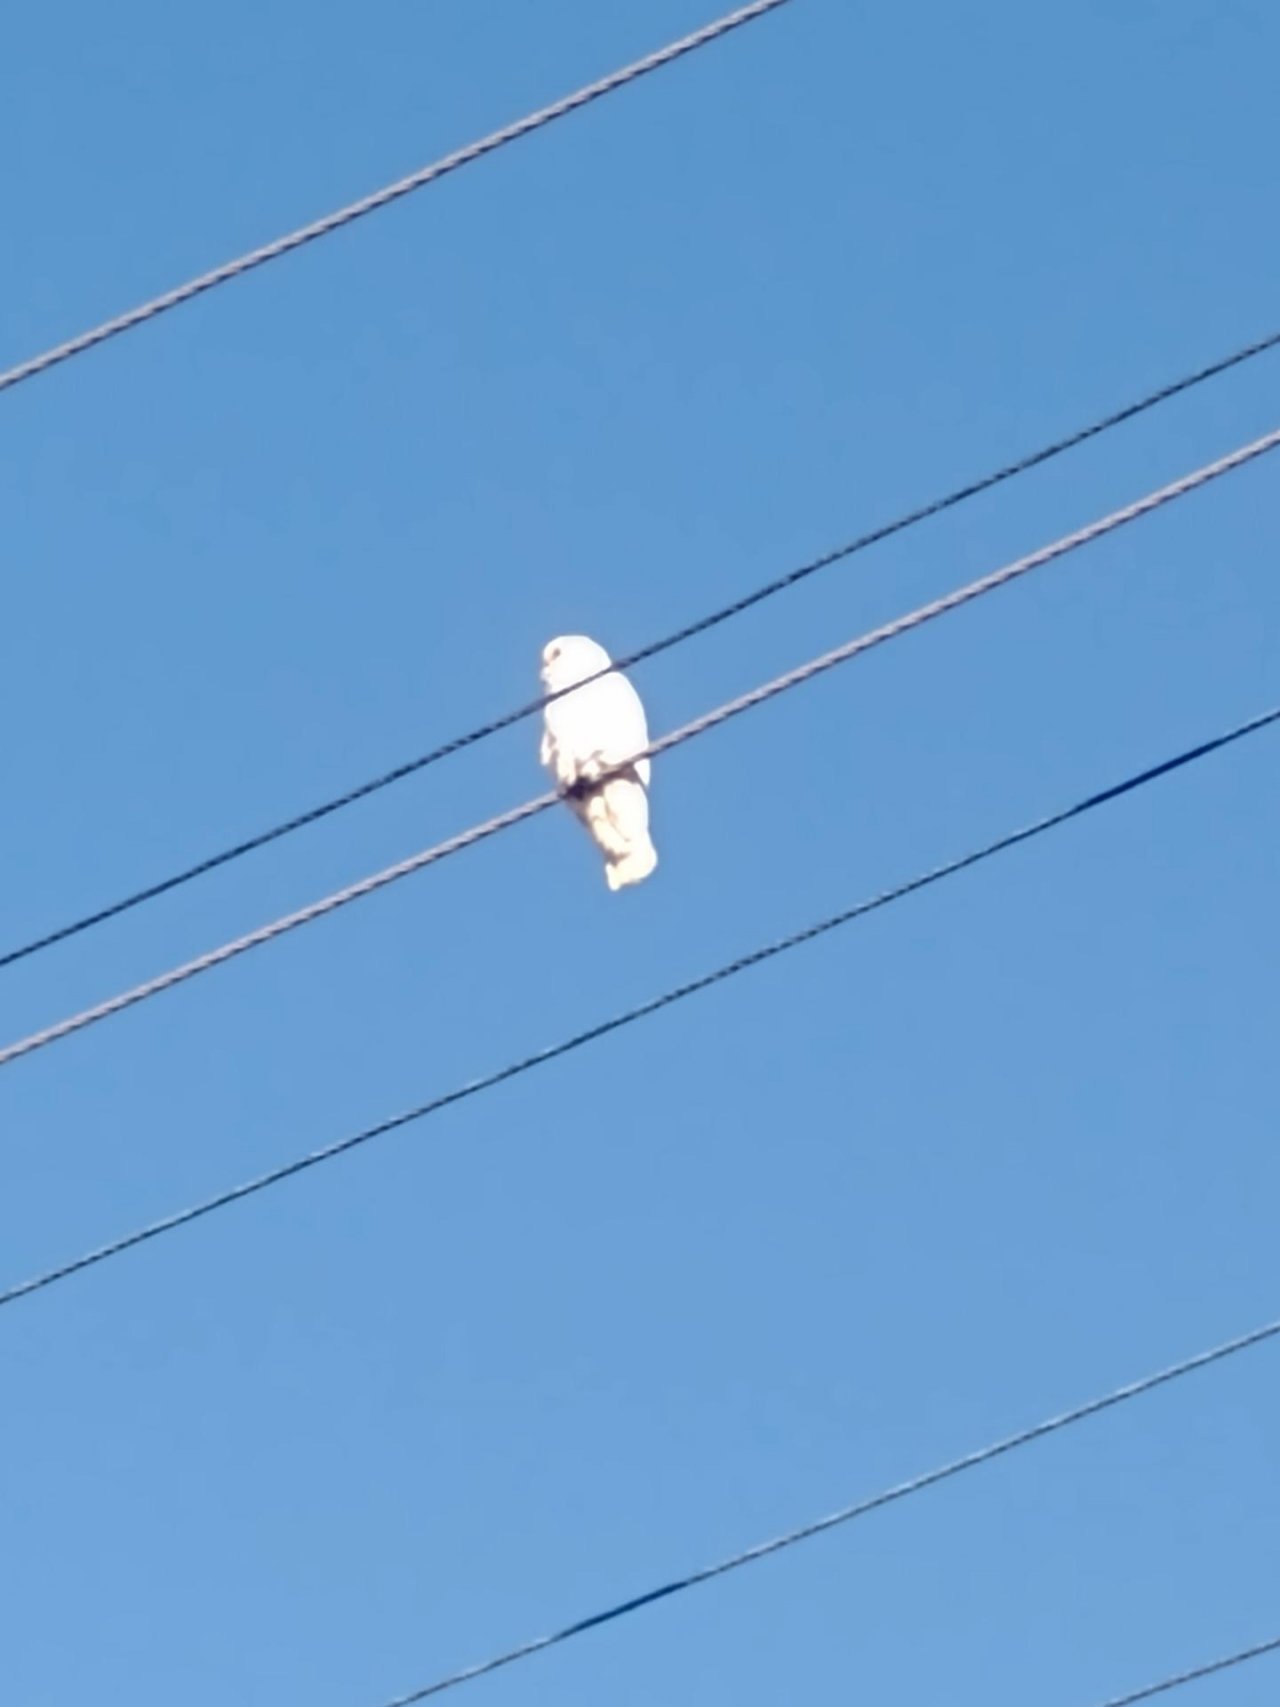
(624, 727)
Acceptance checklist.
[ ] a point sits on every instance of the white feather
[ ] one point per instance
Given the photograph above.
(589, 733)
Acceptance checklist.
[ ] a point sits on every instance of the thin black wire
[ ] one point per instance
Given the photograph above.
(848, 1514)
(725, 613)
(380, 198)
(1226, 1663)
(328, 1152)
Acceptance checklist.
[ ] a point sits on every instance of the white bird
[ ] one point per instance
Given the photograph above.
(589, 733)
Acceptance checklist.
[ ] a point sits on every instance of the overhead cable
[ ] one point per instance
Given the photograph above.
(851, 548)
(389, 193)
(699, 725)
(540, 1057)
(1227, 1663)
(847, 1514)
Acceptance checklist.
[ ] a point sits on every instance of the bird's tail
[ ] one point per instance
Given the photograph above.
(634, 866)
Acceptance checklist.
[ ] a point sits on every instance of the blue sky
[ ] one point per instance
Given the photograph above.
(978, 1158)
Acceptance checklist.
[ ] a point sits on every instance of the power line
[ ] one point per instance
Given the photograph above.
(849, 1514)
(1226, 1663)
(389, 193)
(288, 1170)
(313, 815)
(1151, 1690)
(699, 725)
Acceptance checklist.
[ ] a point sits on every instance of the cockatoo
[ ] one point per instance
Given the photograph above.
(589, 733)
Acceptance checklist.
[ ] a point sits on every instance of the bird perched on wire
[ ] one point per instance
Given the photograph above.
(590, 734)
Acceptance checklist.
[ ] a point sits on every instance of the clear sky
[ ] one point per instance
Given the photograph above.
(911, 1188)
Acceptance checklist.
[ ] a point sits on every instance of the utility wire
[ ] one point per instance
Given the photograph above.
(848, 1514)
(539, 1058)
(389, 193)
(1226, 1663)
(725, 613)
(699, 725)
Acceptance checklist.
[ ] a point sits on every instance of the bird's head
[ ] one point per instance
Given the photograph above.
(569, 659)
